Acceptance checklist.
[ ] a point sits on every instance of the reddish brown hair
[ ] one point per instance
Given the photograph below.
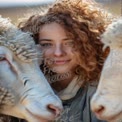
(84, 22)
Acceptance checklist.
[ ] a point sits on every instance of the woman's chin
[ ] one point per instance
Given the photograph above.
(60, 70)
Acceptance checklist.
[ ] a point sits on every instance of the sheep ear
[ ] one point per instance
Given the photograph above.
(113, 34)
(5, 24)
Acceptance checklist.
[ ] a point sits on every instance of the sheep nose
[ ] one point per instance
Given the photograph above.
(54, 109)
(99, 109)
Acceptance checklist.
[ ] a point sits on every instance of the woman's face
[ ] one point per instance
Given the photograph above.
(57, 48)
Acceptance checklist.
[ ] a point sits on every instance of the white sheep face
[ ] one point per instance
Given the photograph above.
(107, 101)
(24, 91)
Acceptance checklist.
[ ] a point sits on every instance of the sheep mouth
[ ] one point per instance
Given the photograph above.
(116, 118)
(113, 118)
(40, 118)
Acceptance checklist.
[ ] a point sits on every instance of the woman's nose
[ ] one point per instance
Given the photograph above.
(59, 51)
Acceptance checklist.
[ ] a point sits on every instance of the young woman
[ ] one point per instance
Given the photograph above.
(69, 38)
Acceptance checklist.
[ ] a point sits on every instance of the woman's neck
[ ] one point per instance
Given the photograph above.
(63, 81)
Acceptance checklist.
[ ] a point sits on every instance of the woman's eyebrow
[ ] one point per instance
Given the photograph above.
(45, 40)
(65, 39)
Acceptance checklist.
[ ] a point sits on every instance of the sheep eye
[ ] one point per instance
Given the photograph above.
(2, 57)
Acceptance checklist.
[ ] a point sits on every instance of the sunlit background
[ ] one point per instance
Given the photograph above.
(16, 9)
(20, 3)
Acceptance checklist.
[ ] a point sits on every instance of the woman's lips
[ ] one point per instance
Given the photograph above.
(60, 62)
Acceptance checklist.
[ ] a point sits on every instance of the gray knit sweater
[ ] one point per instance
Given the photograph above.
(77, 109)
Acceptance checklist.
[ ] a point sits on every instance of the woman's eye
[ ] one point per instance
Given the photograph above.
(46, 45)
(70, 43)
(2, 58)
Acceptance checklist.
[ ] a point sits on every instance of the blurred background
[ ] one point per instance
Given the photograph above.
(16, 9)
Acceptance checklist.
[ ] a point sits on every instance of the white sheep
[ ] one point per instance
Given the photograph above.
(24, 91)
(107, 101)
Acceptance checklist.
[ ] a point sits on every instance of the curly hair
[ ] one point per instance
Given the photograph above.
(84, 22)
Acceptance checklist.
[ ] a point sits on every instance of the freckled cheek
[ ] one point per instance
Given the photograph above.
(71, 50)
(48, 59)
(47, 53)
(68, 50)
